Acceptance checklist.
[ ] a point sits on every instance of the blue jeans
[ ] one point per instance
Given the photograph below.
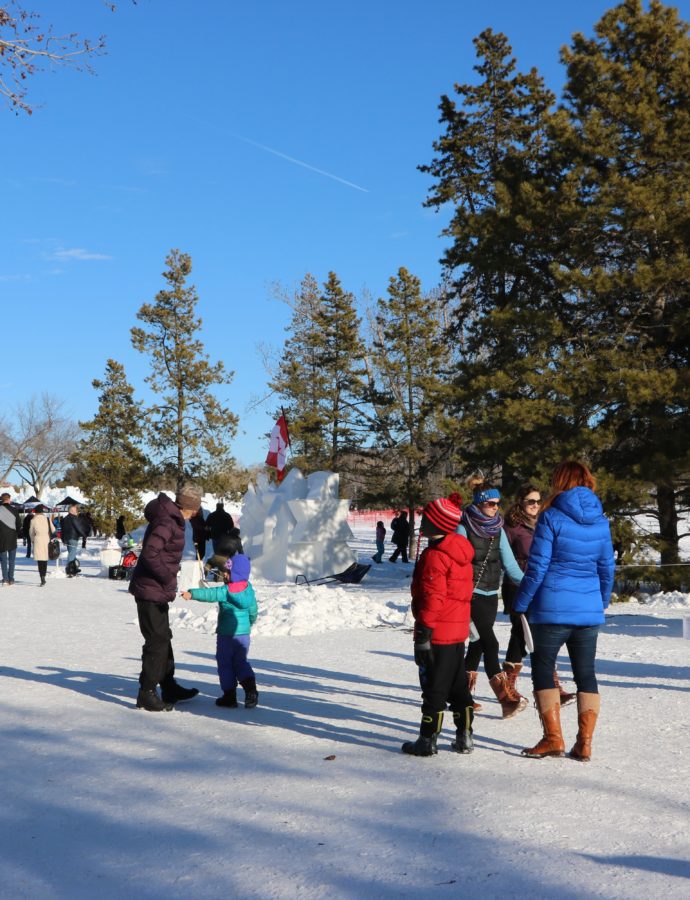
(231, 657)
(581, 643)
(72, 547)
(380, 550)
(7, 558)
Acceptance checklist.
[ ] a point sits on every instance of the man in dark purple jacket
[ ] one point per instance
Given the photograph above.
(154, 585)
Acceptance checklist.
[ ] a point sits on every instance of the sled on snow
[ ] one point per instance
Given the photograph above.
(352, 575)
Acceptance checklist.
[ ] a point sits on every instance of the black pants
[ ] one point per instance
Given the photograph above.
(445, 684)
(399, 548)
(517, 650)
(157, 661)
(484, 609)
(42, 567)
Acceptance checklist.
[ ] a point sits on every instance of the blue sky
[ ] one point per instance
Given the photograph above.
(265, 139)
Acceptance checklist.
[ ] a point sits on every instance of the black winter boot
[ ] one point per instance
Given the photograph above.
(228, 699)
(172, 692)
(425, 745)
(463, 742)
(150, 701)
(251, 695)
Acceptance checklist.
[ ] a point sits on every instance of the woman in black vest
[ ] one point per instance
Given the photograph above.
(482, 525)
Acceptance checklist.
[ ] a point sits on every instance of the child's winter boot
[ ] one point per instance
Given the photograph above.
(228, 699)
(463, 742)
(251, 695)
(425, 745)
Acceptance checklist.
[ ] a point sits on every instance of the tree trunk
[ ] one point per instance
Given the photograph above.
(670, 578)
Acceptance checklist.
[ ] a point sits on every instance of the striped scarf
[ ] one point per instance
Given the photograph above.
(483, 526)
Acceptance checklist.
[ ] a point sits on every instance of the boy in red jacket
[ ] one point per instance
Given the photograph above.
(441, 596)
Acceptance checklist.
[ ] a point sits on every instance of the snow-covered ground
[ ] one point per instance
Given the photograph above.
(308, 795)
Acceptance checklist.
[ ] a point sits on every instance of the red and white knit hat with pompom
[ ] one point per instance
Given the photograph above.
(445, 513)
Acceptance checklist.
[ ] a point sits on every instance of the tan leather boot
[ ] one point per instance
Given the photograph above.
(512, 671)
(551, 744)
(587, 713)
(510, 704)
(472, 684)
(566, 698)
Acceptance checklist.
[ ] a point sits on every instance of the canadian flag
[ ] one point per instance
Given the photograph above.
(277, 449)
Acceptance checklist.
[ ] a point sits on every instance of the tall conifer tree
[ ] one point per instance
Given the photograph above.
(111, 465)
(409, 360)
(320, 375)
(189, 429)
(342, 363)
(299, 380)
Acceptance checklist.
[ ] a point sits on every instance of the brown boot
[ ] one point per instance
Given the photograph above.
(587, 713)
(512, 671)
(510, 704)
(472, 684)
(551, 744)
(566, 698)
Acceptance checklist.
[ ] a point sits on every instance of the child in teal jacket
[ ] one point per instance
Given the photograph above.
(237, 613)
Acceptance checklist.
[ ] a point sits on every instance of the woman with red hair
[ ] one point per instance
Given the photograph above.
(565, 590)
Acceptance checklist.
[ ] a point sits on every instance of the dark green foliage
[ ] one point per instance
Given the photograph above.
(187, 428)
(319, 378)
(570, 262)
(408, 360)
(108, 464)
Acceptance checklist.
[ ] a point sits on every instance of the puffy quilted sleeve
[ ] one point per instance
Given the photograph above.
(537, 564)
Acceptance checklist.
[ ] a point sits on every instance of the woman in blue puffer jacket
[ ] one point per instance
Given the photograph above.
(565, 590)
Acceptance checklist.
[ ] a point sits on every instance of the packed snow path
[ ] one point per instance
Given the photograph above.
(308, 795)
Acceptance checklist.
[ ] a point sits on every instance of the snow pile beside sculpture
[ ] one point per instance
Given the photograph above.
(297, 527)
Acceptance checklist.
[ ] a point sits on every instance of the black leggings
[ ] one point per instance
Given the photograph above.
(484, 609)
(517, 650)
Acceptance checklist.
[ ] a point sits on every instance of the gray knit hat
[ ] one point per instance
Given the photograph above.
(189, 496)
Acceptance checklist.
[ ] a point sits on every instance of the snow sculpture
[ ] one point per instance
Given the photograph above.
(297, 527)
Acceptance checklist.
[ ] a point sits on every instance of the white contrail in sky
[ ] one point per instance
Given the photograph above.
(298, 162)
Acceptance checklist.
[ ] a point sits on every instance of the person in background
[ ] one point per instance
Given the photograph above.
(482, 525)
(154, 586)
(73, 531)
(26, 533)
(380, 542)
(400, 528)
(198, 524)
(9, 528)
(565, 591)
(236, 614)
(87, 521)
(218, 525)
(441, 596)
(41, 531)
(520, 522)
(120, 528)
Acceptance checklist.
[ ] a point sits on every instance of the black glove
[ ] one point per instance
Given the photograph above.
(423, 654)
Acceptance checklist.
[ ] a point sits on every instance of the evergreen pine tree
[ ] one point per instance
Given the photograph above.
(409, 358)
(188, 427)
(341, 358)
(299, 380)
(319, 378)
(571, 284)
(111, 465)
(625, 131)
